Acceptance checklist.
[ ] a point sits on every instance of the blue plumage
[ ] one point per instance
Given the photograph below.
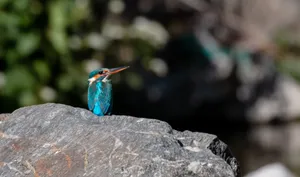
(100, 97)
(100, 91)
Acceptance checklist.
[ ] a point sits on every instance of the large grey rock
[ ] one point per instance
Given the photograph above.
(60, 140)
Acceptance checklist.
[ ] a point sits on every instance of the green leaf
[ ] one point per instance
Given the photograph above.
(11, 57)
(4, 2)
(18, 79)
(28, 43)
(65, 82)
(21, 5)
(28, 98)
(42, 70)
(57, 25)
(9, 19)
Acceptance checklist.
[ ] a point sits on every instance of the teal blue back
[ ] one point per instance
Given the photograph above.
(100, 98)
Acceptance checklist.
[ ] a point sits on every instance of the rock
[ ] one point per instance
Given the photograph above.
(60, 140)
(274, 170)
(4, 116)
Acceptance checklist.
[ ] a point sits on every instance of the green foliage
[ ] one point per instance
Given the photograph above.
(289, 51)
(34, 49)
(48, 47)
(58, 21)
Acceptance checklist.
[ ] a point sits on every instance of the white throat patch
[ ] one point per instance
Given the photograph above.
(91, 80)
(105, 79)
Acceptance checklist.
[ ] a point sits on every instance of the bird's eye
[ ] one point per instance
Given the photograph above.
(100, 72)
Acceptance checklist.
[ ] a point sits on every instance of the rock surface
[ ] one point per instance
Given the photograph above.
(60, 140)
(4, 116)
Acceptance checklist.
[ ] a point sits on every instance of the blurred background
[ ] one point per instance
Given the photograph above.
(227, 67)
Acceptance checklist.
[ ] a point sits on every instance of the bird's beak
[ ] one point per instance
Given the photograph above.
(116, 70)
(107, 74)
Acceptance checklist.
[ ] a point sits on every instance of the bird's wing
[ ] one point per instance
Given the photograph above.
(92, 91)
(100, 98)
(111, 104)
(106, 98)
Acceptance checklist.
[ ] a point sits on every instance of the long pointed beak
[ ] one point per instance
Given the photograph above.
(107, 74)
(116, 70)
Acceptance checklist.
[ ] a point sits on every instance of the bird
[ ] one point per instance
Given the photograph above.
(100, 90)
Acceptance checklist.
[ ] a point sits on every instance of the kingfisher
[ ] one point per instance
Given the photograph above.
(100, 90)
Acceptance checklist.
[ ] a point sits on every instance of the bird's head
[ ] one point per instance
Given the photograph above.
(103, 74)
